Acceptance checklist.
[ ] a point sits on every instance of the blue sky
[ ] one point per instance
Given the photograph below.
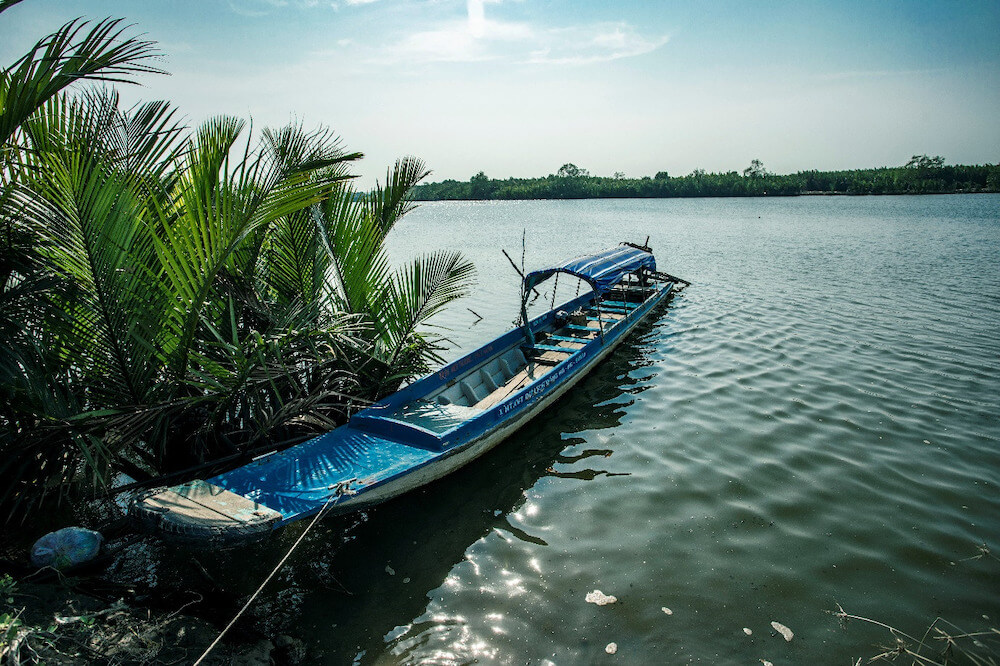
(519, 87)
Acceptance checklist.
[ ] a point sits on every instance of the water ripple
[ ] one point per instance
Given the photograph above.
(816, 421)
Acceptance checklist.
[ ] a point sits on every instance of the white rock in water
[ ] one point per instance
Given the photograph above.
(389, 570)
(783, 630)
(667, 610)
(611, 648)
(766, 663)
(599, 598)
(748, 631)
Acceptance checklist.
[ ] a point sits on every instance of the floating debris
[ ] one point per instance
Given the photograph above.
(766, 663)
(748, 631)
(666, 610)
(599, 598)
(783, 630)
(611, 648)
(389, 570)
(406, 580)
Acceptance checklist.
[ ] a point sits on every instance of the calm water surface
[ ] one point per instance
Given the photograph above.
(814, 422)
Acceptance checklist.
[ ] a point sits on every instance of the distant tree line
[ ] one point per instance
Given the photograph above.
(921, 175)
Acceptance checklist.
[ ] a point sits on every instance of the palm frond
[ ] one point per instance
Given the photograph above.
(296, 148)
(143, 140)
(89, 212)
(296, 263)
(389, 203)
(354, 242)
(75, 52)
(7, 4)
(416, 293)
(217, 206)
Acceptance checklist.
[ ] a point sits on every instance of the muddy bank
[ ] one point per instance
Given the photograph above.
(54, 623)
(132, 606)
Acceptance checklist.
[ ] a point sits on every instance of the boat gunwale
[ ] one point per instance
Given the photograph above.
(360, 497)
(454, 436)
(360, 485)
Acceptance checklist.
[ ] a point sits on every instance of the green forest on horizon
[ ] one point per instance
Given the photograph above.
(921, 175)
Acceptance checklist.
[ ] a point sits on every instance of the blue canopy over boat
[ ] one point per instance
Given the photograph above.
(602, 270)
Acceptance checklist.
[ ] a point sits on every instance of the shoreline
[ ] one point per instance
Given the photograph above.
(922, 175)
(813, 193)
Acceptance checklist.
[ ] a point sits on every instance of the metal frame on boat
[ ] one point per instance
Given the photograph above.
(436, 424)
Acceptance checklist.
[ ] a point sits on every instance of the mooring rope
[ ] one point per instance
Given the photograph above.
(271, 575)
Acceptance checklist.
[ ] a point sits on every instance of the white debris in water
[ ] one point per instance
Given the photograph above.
(666, 610)
(748, 631)
(783, 630)
(406, 580)
(389, 570)
(766, 663)
(611, 648)
(599, 598)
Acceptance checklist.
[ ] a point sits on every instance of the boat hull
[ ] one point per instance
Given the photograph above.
(430, 428)
(463, 454)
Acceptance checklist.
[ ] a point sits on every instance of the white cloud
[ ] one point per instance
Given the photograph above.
(597, 42)
(257, 8)
(478, 38)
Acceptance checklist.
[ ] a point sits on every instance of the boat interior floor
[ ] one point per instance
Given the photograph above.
(509, 372)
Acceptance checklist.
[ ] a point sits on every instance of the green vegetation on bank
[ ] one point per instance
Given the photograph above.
(170, 297)
(921, 175)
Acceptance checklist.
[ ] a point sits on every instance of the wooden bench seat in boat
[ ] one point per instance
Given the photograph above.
(556, 349)
(569, 338)
(475, 386)
(620, 304)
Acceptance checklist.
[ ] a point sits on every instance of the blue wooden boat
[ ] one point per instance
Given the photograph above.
(435, 425)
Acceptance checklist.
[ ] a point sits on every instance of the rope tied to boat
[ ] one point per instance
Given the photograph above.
(336, 495)
(343, 489)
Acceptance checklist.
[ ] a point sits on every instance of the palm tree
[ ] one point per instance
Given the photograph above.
(174, 298)
(394, 305)
(31, 458)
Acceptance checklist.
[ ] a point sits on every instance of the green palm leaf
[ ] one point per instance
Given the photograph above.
(90, 217)
(353, 240)
(70, 54)
(416, 293)
(389, 203)
(296, 265)
(215, 208)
